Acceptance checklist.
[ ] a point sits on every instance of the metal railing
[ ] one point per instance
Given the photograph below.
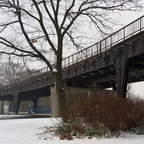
(98, 48)
(107, 43)
(37, 74)
(29, 77)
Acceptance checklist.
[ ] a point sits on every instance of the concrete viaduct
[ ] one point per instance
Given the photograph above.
(113, 62)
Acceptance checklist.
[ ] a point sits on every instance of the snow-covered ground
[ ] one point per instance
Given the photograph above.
(31, 131)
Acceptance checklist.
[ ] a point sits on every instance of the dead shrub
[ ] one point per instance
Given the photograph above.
(103, 110)
(64, 136)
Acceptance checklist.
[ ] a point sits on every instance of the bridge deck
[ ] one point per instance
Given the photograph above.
(94, 62)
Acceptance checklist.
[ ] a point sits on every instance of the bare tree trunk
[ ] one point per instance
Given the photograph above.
(61, 97)
(60, 84)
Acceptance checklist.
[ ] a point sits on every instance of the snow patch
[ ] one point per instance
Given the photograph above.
(40, 131)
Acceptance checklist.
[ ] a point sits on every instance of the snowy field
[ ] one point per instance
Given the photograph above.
(31, 131)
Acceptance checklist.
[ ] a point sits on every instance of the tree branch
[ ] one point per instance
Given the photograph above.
(11, 45)
(28, 39)
(43, 27)
(66, 14)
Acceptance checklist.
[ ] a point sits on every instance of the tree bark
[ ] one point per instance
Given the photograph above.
(61, 97)
(60, 84)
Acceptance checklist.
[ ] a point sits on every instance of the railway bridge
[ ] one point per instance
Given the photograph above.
(113, 62)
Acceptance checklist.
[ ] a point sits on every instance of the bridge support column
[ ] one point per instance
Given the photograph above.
(35, 103)
(122, 69)
(114, 86)
(54, 103)
(16, 103)
(2, 107)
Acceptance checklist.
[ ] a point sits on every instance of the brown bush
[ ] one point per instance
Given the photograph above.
(107, 111)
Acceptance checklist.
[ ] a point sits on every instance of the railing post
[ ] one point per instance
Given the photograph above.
(105, 45)
(124, 34)
(100, 47)
(68, 61)
(111, 42)
(140, 24)
(97, 49)
(65, 62)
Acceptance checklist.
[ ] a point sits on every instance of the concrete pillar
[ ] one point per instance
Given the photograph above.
(122, 70)
(35, 103)
(54, 103)
(2, 106)
(114, 86)
(16, 96)
(16, 102)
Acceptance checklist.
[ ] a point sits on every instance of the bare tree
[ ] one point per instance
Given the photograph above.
(12, 71)
(38, 28)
